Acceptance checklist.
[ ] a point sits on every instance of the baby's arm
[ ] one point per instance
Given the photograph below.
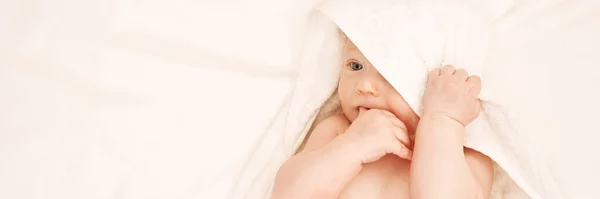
(329, 162)
(315, 170)
(442, 167)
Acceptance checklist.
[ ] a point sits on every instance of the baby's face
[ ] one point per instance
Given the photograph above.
(361, 86)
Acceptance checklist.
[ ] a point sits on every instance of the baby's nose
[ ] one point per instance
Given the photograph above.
(366, 87)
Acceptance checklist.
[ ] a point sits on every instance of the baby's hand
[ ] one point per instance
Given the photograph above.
(452, 93)
(376, 133)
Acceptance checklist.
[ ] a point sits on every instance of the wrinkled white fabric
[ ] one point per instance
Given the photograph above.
(137, 99)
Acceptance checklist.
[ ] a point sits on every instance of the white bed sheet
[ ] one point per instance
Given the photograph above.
(136, 99)
(159, 99)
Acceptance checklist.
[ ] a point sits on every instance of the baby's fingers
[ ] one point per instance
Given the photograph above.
(448, 69)
(435, 72)
(475, 83)
(402, 137)
(461, 74)
(402, 151)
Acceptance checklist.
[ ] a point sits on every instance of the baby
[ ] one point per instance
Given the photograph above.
(379, 147)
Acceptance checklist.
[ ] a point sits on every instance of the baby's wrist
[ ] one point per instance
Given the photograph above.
(440, 118)
(344, 149)
(440, 123)
(439, 129)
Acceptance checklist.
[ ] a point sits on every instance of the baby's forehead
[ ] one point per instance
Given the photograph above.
(351, 51)
(350, 45)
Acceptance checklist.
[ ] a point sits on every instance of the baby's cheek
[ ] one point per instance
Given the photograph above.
(349, 113)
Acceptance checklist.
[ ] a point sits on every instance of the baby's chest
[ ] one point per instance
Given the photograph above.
(384, 179)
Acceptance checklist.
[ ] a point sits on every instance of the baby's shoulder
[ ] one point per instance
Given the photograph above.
(325, 131)
(337, 123)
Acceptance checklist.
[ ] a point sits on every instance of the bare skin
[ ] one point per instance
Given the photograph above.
(367, 152)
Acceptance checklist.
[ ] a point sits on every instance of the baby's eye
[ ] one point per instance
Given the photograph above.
(356, 66)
